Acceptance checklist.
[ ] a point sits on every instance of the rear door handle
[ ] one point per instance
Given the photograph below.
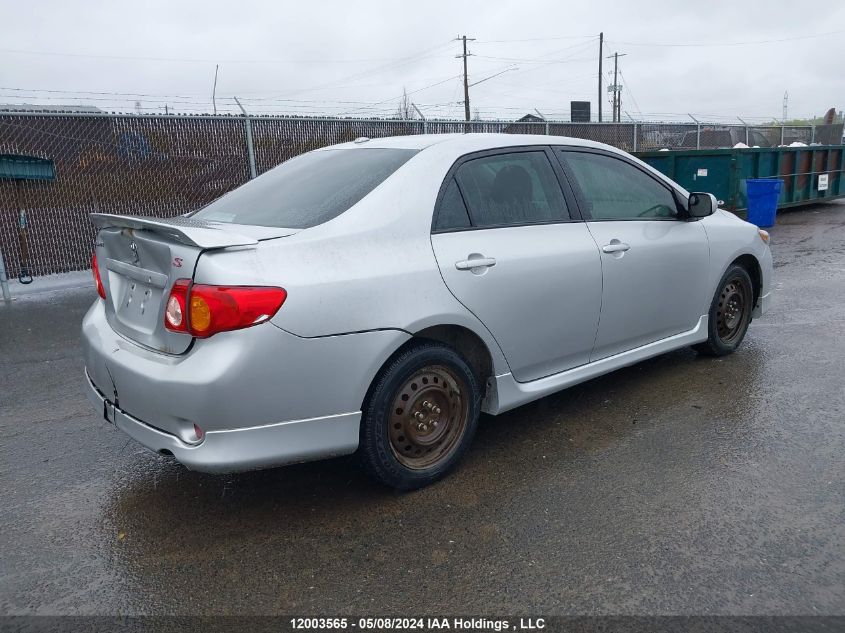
(615, 246)
(477, 262)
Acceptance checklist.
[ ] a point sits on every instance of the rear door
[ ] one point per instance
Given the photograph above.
(654, 262)
(511, 251)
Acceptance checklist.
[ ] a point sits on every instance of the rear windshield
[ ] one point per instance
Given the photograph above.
(307, 190)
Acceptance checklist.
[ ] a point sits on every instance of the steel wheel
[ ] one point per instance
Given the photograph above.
(733, 310)
(428, 417)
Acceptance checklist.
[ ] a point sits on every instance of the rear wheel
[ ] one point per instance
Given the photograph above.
(730, 313)
(420, 416)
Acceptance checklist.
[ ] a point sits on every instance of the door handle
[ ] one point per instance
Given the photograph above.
(615, 246)
(475, 262)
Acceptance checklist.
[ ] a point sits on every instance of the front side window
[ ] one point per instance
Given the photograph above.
(307, 190)
(615, 190)
(511, 189)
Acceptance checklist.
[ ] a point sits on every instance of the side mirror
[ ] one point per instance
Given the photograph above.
(702, 204)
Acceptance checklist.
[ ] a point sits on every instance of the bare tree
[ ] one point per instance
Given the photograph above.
(405, 110)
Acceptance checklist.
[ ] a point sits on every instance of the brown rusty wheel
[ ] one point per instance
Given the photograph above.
(428, 417)
(733, 310)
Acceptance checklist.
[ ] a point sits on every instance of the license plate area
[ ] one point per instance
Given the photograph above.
(139, 303)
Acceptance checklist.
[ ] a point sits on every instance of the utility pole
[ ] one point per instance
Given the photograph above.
(785, 106)
(615, 87)
(617, 93)
(601, 93)
(464, 38)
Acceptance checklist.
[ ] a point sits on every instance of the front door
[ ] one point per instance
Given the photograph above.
(653, 262)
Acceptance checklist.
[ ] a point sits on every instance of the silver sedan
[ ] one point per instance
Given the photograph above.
(377, 296)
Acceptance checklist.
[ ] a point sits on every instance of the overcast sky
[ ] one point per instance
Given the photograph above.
(713, 58)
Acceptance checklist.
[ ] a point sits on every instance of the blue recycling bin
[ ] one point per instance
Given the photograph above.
(763, 195)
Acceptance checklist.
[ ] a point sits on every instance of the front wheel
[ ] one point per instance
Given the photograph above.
(730, 313)
(420, 416)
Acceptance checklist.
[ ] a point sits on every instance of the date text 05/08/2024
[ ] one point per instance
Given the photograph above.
(420, 624)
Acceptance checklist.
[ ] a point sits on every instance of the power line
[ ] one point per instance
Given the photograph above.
(738, 43)
(626, 85)
(521, 60)
(540, 57)
(565, 59)
(537, 39)
(194, 60)
(393, 65)
(438, 83)
(544, 87)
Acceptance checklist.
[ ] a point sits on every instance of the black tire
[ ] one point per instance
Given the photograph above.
(730, 313)
(410, 394)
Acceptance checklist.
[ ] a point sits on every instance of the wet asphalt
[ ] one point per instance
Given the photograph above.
(683, 485)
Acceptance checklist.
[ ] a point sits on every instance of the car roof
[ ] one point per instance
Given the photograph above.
(471, 142)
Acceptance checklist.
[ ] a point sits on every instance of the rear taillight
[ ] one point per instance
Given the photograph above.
(176, 310)
(99, 282)
(202, 310)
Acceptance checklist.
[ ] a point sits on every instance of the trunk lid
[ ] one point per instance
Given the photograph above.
(140, 259)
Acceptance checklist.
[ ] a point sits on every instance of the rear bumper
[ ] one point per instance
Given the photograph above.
(262, 396)
(241, 449)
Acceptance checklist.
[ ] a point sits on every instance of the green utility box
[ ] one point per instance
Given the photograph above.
(810, 174)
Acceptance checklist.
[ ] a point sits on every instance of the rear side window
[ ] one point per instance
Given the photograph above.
(511, 189)
(616, 190)
(307, 190)
(452, 214)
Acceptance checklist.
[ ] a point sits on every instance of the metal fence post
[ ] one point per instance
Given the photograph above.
(422, 116)
(782, 130)
(250, 148)
(547, 128)
(4, 281)
(697, 131)
(746, 128)
(635, 136)
(813, 134)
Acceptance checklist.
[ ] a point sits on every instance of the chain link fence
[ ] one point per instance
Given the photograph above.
(169, 165)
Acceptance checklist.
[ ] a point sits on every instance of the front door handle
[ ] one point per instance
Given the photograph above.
(615, 246)
(475, 262)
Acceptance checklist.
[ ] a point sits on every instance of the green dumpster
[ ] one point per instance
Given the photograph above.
(810, 174)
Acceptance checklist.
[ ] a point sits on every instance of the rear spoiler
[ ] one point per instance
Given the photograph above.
(181, 229)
